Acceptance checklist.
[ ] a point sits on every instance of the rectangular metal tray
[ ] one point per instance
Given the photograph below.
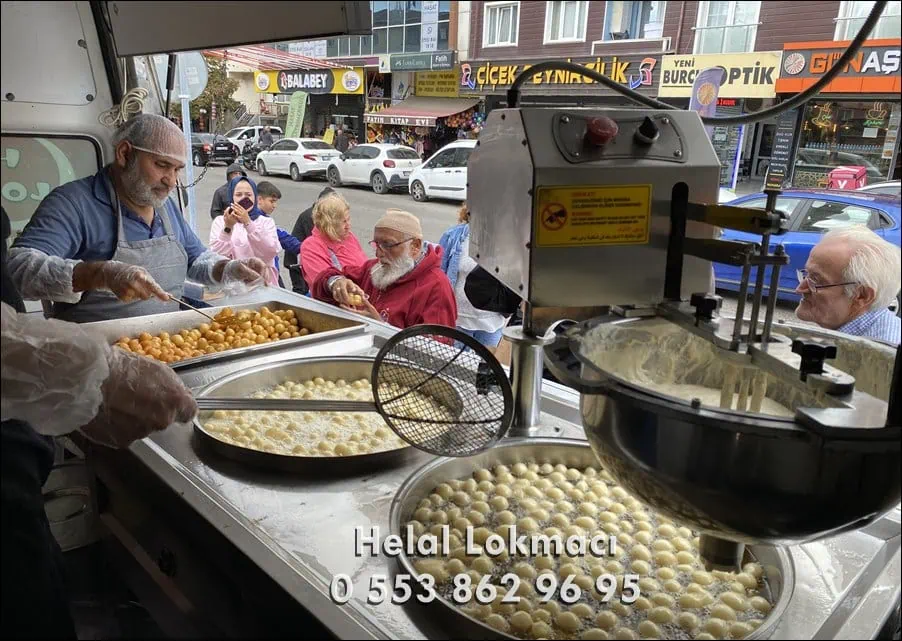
(322, 327)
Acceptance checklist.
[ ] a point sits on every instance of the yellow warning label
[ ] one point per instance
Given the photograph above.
(583, 215)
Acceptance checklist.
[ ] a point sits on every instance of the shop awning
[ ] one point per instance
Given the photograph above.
(418, 111)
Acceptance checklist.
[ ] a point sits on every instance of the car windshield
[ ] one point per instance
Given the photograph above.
(402, 154)
(232, 133)
(316, 144)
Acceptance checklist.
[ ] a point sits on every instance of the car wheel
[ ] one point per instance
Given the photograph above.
(198, 159)
(334, 177)
(261, 168)
(418, 191)
(295, 173)
(380, 186)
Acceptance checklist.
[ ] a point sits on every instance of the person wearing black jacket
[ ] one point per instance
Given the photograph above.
(488, 293)
(221, 195)
(303, 229)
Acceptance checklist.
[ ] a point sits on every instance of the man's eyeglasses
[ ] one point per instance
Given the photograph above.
(814, 286)
(386, 246)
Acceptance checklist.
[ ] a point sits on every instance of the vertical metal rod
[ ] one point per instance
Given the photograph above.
(673, 274)
(770, 207)
(528, 325)
(759, 291)
(771, 299)
(740, 304)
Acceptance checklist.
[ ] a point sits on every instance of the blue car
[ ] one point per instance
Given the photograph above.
(812, 213)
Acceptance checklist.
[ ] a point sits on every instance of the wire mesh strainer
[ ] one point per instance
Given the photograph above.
(464, 402)
(437, 388)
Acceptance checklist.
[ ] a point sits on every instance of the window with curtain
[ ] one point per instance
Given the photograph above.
(726, 27)
(565, 21)
(852, 15)
(633, 20)
(500, 24)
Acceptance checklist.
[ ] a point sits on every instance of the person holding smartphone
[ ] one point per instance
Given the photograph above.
(245, 231)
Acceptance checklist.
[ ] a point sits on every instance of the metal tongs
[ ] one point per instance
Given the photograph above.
(182, 302)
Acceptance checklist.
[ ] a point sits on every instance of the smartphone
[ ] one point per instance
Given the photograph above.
(246, 202)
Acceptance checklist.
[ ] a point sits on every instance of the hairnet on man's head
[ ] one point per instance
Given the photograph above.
(153, 134)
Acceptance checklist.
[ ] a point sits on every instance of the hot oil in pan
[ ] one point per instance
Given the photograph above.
(312, 433)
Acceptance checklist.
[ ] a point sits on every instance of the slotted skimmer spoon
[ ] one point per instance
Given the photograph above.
(437, 388)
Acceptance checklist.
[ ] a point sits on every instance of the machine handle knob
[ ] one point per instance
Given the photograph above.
(601, 130)
(813, 352)
(705, 305)
(647, 132)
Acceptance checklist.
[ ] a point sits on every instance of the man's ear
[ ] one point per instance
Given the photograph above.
(864, 297)
(121, 154)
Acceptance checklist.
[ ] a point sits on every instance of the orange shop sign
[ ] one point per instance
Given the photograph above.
(874, 69)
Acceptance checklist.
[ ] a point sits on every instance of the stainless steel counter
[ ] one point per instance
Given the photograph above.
(300, 531)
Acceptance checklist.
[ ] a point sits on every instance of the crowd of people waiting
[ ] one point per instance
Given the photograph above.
(409, 281)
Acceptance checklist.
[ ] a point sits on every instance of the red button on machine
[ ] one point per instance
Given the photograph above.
(601, 130)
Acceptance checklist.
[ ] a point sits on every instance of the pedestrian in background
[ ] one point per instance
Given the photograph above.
(245, 231)
(332, 243)
(302, 230)
(484, 326)
(221, 195)
(341, 140)
(268, 197)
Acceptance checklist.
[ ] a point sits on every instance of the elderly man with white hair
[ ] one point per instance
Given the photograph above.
(403, 286)
(851, 277)
(115, 245)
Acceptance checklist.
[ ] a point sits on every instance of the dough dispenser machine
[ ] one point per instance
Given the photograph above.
(738, 431)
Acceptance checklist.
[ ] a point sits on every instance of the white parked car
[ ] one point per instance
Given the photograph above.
(444, 175)
(890, 188)
(239, 136)
(297, 157)
(382, 166)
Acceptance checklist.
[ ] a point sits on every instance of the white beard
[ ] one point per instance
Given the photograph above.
(384, 276)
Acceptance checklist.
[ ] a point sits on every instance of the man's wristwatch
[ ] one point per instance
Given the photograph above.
(227, 230)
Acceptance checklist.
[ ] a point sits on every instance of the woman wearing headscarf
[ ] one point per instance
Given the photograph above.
(244, 230)
(332, 243)
(484, 326)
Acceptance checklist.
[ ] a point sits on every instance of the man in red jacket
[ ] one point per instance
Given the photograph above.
(403, 286)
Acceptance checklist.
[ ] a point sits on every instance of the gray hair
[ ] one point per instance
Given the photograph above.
(875, 263)
(154, 134)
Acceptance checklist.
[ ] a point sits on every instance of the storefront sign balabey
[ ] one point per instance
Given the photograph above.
(314, 81)
(636, 71)
(746, 75)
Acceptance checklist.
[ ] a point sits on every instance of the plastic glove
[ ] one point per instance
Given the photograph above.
(52, 372)
(127, 282)
(250, 271)
(140, 396)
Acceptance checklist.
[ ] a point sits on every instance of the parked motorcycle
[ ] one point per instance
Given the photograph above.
(248, 157)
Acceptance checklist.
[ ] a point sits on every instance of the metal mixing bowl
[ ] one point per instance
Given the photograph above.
(777, 563)
(750, 478)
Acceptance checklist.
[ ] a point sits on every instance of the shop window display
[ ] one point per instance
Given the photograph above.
(846, 134)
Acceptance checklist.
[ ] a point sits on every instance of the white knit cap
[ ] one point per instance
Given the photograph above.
(401, 221)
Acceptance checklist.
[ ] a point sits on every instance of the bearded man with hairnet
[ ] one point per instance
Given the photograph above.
(114, 245)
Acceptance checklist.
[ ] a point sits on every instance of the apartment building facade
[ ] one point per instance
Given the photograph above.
(656, 48)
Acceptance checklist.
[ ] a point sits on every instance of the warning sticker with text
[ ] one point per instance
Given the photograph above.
(575, 216)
